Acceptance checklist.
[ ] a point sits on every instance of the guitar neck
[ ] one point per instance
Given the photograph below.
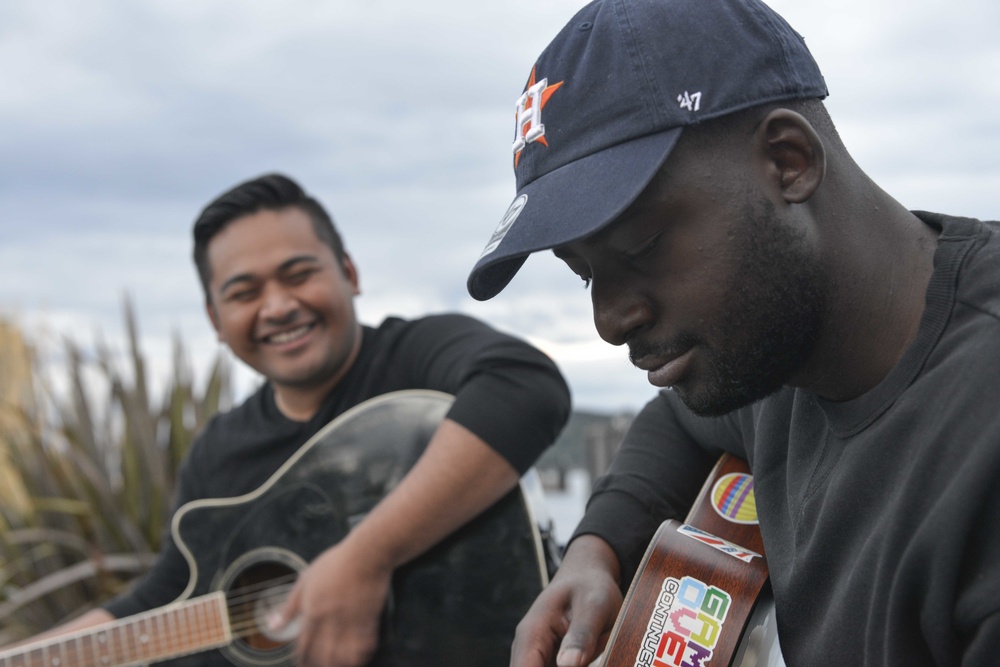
(188, 627)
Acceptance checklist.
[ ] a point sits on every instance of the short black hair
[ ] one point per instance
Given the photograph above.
(270, 192)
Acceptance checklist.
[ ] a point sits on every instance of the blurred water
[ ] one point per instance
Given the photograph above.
(565, 507)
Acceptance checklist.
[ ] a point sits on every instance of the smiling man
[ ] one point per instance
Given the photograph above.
(283, 301)
(678, 157)
(279, 289)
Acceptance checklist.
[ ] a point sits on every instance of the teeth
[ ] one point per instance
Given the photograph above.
(287, 336)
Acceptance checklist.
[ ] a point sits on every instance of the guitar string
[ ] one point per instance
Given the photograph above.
(243, 621)
(242, 603)
(253, 591)
(242, 624)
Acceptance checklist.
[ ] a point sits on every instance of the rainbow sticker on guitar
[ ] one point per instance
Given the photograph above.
(733, 499)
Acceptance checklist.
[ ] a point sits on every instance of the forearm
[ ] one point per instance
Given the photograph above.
(655, 475)
(456, 478)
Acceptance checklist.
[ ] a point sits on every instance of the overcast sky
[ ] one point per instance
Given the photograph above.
(120, 119)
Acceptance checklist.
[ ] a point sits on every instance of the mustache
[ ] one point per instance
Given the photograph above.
(639, 349)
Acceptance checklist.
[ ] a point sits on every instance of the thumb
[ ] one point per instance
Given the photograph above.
(570, 656)
(580, 643)
(282, 615)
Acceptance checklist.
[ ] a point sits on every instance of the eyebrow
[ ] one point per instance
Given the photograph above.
(282, 268)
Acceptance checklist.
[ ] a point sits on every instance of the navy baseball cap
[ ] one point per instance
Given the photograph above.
(607, 100)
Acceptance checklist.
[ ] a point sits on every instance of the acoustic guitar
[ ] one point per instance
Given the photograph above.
(457, 604)
(701, 596)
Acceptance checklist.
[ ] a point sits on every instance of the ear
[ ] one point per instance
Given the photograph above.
(794, 156)
(351, 273)
(213, 317)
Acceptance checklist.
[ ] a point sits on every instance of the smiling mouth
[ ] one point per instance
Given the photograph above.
(289, 336)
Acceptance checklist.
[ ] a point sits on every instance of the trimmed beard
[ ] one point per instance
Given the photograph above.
(773, 314)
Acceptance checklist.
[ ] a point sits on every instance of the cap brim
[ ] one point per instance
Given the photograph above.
(570, 203)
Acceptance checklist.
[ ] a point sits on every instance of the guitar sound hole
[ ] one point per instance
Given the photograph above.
(256, 587)
(268, 586)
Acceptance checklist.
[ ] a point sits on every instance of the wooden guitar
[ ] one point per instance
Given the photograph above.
(701, 596)
(457, 604)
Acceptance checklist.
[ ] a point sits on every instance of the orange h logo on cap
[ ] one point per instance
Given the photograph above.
(529, 107)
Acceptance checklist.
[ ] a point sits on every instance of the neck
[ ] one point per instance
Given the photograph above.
(882, 265)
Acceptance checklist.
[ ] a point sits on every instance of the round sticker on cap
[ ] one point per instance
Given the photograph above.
(732, 498)
(506, 222)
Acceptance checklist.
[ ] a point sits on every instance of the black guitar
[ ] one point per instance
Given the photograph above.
(457, 604)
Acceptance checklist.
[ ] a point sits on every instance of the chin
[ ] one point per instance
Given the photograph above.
(307, 378)
(715, 401)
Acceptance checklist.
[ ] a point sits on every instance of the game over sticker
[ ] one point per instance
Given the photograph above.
(685, 626)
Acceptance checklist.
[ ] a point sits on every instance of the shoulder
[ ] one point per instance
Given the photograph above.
(446, 331)
(979, 285)
(666, 416)
(971, 248)
(393, 327)
(974, 325)
(442, 321)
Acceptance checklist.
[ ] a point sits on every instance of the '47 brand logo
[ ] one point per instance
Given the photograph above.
(685, 625)
(689, 101)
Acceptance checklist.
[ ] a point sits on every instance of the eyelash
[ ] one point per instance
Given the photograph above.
(645, 249)
(239, 297)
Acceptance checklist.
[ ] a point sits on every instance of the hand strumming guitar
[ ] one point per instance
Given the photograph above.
(337, 602)
(339, 598)
(569, 623)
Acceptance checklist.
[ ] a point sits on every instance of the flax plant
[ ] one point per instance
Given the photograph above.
(87, 471)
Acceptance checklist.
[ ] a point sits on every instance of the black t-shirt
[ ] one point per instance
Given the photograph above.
(880, 515)
(506, 392)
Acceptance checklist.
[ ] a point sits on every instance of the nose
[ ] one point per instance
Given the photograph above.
(620, 312)
(278, 304)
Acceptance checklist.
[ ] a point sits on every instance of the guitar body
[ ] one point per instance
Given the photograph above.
(457, 604)
(700, 597)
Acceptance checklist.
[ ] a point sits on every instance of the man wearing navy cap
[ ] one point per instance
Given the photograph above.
(677, 156)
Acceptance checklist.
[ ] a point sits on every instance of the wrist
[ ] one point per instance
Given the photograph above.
(592, 554)
(370, 549)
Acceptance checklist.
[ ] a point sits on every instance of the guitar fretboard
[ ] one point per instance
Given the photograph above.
(191, 626)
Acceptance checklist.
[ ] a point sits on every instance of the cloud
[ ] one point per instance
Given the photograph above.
(121, 120)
